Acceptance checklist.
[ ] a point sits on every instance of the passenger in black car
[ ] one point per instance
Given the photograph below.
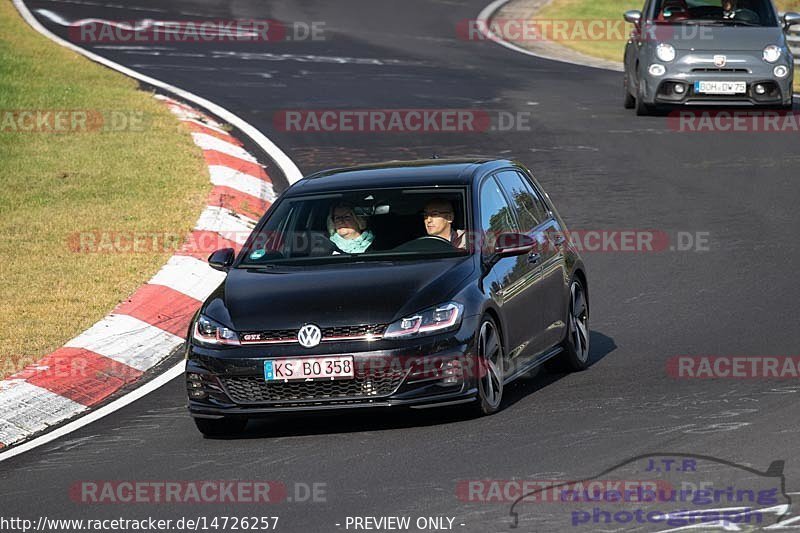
(347, 230)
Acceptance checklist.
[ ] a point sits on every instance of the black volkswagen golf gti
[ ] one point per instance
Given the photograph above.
(415, 284)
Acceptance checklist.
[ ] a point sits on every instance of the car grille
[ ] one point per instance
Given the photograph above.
(715, 69)
(289, 336)
(366, 384)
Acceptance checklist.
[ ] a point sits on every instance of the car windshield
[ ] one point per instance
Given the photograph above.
(388, 224)
(718, 12)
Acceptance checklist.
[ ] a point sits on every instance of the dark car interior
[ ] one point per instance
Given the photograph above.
(393, 216)
(757, 12)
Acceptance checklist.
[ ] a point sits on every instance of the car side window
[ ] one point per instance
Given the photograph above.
(529, 207)
(496, 214)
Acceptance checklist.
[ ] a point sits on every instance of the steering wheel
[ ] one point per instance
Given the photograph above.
(434, 238)
(747, 15)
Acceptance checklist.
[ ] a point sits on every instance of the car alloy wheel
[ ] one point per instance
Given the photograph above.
(629, 101)
(642, 109)
(577, 345)
(490, 365)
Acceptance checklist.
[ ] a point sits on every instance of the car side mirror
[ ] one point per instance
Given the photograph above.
(222, 259)
(512, 244)
(790, 19)
(633, 16)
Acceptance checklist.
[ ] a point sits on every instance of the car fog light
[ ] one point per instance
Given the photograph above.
(452, 372)
(760, 89)
(657, 70)
(197, 394)
(780, 71)
(679, 88)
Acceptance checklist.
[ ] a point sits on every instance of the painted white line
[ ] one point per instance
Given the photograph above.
(92, 416)
(28, 409)
(128, 340)
(110, 6)
(59, 409)
(483, 21)
(208, 142)
(230, 177)
(484, 18)
(158, 26)
(189, 276)
(235, 228)
(287, 166)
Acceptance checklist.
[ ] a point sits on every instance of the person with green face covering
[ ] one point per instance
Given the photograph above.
(349, 231)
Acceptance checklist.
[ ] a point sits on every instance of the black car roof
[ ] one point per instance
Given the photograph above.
(427, 172)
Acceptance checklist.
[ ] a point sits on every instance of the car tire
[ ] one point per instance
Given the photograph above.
(642, 109)
(490, 367)
(221, 427)
(629, 102)
(574, 354)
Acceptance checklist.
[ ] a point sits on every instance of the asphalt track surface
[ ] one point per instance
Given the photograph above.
(605, 168)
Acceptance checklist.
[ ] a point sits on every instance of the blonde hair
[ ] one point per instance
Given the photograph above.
(361, 222)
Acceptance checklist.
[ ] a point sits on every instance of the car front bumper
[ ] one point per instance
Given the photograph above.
(427, 372)
(698, 67)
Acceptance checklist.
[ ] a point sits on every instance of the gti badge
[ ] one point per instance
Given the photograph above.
(309, 336)
(720, 61)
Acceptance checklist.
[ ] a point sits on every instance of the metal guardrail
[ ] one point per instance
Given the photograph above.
(793, 36)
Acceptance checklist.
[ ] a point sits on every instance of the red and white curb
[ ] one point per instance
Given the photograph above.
(144, 329)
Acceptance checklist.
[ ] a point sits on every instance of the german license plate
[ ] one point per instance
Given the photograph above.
(720, 87)
(309, 368)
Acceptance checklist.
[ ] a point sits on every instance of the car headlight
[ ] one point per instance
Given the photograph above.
(665, 52)
(437, 319)
(211, 332)
(772, 53)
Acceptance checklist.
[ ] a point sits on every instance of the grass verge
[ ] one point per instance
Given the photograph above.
(612, 10)
(143, 174)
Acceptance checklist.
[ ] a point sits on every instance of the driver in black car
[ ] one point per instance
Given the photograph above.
(438, 216)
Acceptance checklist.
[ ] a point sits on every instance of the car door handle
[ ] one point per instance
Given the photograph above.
(534, 257)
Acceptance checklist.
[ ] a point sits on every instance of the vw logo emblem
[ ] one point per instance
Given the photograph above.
(720, 61)
(309, 336)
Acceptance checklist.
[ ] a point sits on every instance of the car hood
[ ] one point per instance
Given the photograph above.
(726, 38)
(334, 295)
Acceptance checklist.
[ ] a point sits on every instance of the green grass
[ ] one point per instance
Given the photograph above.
(612, 10)
(53, 185)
